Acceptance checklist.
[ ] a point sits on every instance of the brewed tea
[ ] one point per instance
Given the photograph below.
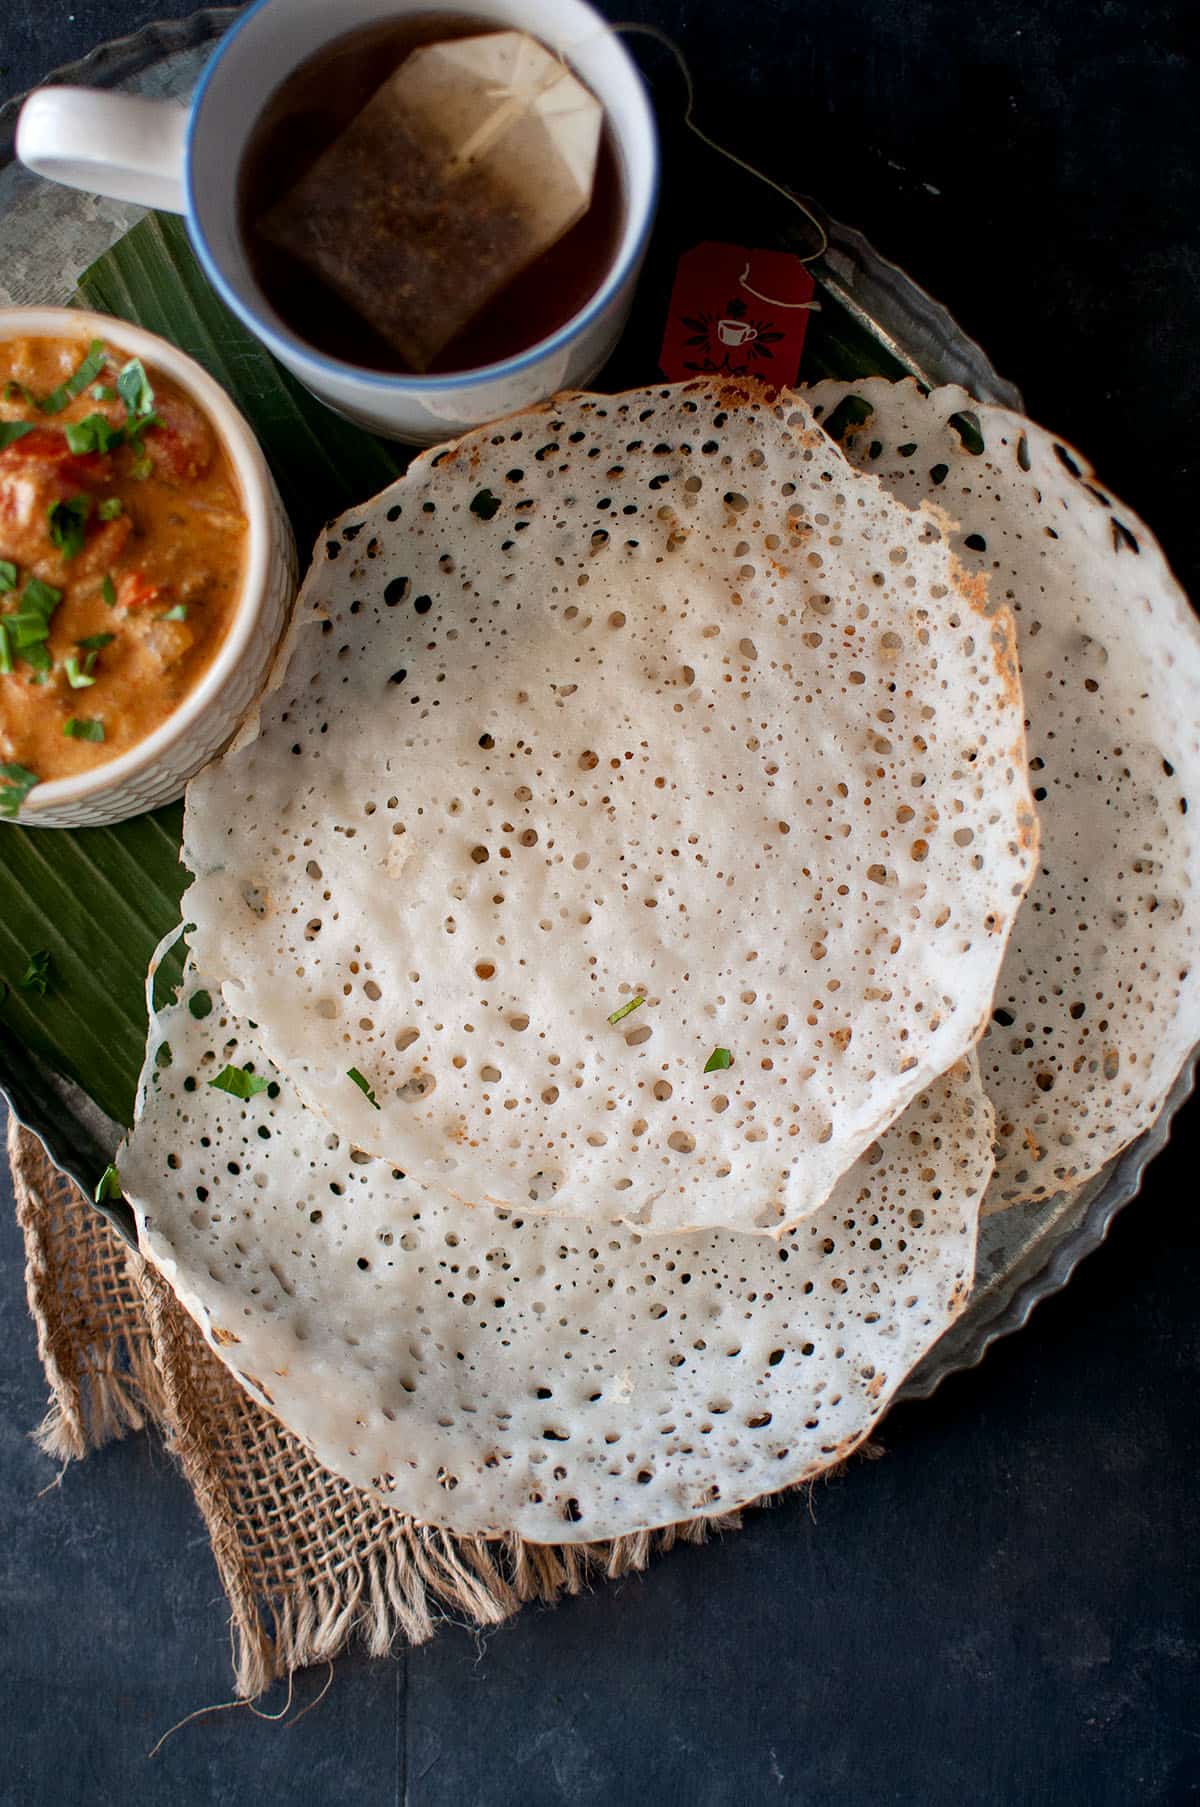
(320, 106)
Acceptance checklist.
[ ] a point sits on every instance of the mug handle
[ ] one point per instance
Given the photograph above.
(121, 145)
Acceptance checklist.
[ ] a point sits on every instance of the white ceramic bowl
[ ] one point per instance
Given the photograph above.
(156, 770)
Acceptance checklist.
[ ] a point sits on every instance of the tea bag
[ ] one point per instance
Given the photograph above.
(469, 162)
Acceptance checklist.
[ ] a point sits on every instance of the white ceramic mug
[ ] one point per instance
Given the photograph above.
(187, 162)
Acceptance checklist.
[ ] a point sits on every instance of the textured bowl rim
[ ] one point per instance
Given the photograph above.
(256, 485)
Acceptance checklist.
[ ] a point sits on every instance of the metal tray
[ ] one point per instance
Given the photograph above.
(48, 235)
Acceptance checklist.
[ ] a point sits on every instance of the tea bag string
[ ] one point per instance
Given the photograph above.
(773, 300)
(632, 27)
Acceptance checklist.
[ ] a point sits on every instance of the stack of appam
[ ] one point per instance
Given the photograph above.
(619, 948)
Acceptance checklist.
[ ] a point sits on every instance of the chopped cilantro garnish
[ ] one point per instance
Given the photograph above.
(108, 590)
(354, 1074)
(6, 664)
(94, 434)
(27, 629)
(200, 1004)
(88, 371)
(239, 1082)
(79, 671)
(68, 520)
(36, 976)
(485, 504)
(108, 1186)
(44, 598)
(29, 626)
(12, 430)
(133, 387)
(18, 781)
(8, 575)
(110, 508)
(83, 727)
(718, 1060)
(177, 613)
(626, 1009)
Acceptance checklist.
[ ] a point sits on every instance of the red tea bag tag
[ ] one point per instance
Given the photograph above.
(736, 312)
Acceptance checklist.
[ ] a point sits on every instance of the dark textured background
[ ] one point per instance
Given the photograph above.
(1005, 1608)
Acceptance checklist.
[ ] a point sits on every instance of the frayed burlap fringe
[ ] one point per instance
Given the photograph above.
(96, 1353)
(308, 1562)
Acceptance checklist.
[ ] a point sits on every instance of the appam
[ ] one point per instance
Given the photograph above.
(1098, 1004)
(497, 1372)
(636, 822)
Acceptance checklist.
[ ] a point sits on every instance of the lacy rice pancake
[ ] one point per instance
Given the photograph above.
(638, 820)
(122, 542)
(495, 1372)
(1098, 1003)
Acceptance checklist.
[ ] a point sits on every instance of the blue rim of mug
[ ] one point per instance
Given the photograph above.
(285, 345)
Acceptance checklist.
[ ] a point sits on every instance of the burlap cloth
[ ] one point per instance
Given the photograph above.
(307, 1561)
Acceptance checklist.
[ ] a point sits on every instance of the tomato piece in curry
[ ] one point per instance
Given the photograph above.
(122, 550)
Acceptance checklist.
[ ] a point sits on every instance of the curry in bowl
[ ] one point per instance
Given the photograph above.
(123, 543)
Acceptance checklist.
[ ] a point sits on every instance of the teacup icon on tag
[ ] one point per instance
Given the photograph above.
(736, 332)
